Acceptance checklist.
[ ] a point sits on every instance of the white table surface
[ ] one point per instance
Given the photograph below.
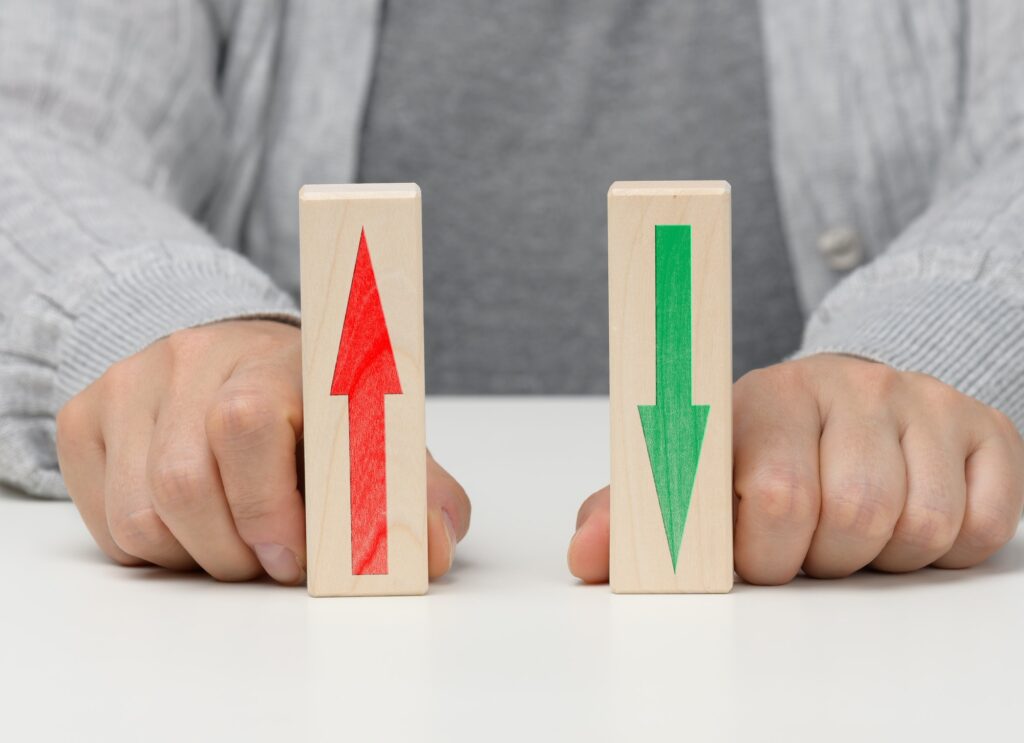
(508, 646)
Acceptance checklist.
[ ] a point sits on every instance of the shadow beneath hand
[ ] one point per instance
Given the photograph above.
(459, 568)
(1010, 559)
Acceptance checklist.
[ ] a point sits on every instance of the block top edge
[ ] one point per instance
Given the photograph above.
(669, 188)
(319, 191)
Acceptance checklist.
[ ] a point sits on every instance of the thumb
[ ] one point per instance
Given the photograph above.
(448, 514)
(588, 550)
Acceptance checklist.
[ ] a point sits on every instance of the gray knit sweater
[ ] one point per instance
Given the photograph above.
(897, 132)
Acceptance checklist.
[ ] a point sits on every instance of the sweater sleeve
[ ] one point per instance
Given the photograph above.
(112, 134)
(947, 296)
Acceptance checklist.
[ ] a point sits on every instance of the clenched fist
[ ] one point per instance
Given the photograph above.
(842, 463)
(187, 454)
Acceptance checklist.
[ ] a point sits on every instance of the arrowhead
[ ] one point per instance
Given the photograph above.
(365, 358)
(674, 435)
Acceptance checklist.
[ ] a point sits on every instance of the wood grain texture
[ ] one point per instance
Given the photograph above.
(640, 557)
(332, 219)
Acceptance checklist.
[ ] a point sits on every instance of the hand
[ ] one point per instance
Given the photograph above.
(185, 455)
(841, 463)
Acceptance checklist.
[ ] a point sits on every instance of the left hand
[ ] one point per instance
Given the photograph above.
(841, 463)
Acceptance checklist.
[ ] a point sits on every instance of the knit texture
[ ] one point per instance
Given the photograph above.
(151, 154)
(917, 114)
(113, 137)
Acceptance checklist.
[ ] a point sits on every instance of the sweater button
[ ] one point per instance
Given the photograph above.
(841, 248)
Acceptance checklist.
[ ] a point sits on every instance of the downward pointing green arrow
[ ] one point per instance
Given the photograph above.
(673, 426)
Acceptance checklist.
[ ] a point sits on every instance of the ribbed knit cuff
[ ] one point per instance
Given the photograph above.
(960, 333)
(155, 294)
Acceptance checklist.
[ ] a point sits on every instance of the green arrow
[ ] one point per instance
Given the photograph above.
(673, 426)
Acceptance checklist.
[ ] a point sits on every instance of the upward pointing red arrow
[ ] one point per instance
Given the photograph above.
(365, 371)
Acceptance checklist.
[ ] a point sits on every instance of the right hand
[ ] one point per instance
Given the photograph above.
(185, 455)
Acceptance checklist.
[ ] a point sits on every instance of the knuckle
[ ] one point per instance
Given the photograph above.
(262, 342)
(938, 394)
(777, 378)
(121, 375)
(1005, 425)
(138, 533)
(187, 341)
(989, 529)
(178, 484)
(250, 511)
(779, 498)
(186, 349)
(786, 375)
(859, 510)
(927, 529)
(878, 380)
(72, 423)
(240, 419)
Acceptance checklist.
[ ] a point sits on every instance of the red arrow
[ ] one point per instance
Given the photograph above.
(365, 372)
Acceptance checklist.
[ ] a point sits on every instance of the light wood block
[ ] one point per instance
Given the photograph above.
(364, 391)
(661, 377)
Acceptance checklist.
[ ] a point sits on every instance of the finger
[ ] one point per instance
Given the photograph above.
(132, 516)
(253, 426)
(588, 549)
(448, 516)
(776, 430)
(127, 409)
(595, 501)
(995, 493)
(863, 490)
(441, 542)
(936, 495)
(82, 458)
(187, 488)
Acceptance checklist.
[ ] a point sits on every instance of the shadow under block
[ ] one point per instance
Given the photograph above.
(670, 336)
(363, 389)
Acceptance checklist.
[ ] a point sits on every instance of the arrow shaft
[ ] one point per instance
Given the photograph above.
(673, 328)
(673, 427)
(368, 483)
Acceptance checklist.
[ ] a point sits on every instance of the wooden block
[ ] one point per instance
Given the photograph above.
(363, 397)
(670, 333)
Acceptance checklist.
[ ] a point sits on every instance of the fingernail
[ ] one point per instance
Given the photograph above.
(449, 527)
(568, 553)
(280, 563)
